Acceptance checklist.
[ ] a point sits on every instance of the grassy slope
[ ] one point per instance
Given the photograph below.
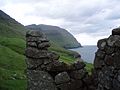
(12, 67)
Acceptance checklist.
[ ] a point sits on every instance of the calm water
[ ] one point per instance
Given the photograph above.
(87, 53)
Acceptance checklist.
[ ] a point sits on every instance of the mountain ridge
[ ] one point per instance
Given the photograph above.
(57, 34)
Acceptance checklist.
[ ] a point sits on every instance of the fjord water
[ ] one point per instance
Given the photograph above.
(87, 52)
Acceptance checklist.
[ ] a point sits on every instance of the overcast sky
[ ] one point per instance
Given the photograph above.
(87, 20)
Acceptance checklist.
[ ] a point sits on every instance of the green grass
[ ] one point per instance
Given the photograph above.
(16, 44)
(13, 85)
(12, 67)
(89, 67)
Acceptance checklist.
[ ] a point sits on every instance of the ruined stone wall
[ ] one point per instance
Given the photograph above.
(46, 72)
(107, 62)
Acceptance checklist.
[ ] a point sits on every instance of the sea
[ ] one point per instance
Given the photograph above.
(87, 52)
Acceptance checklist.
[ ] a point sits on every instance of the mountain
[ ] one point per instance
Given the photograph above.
(9, 27)
(12, 59)
(58, 35)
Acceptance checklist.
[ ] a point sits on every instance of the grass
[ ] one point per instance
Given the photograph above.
(13, 85)
(12, 67)
(16, 44)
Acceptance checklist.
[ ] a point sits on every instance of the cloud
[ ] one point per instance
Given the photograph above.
(89, 18)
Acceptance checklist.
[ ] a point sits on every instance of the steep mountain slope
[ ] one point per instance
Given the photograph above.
(58, 35)
(9, 27)
(12, 59)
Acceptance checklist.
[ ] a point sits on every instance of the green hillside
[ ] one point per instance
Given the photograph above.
(58, 35)
(12, 59)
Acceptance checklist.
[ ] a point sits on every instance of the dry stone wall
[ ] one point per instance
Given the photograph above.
(107, 62)
(46, 72)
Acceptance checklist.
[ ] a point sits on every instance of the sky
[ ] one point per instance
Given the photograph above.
(87, 20)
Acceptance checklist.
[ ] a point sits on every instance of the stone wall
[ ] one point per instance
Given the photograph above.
(107, 62)
(46, 72)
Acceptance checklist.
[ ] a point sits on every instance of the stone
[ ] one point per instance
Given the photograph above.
(118, 75)
(53, 56)
(98, 63)
(76, 84)
(77, 55)
(65, 86)
(79, 65)
(43, 45)
(35, 53)
(47, 61)
(35, 33)
(57, 66)
(100, 54)
(117, 43)
(78, 74)
(116, 85)
(100, 87)
(109, 50)
(33, 63)
(31, 44)
(116, 31)
(73, 85)
(117, 60)
(40, 80)
(105, 77)
(101, 44)
(109, 60)
(88, 80)
(112, 39)
(36, 39)
(62, 77)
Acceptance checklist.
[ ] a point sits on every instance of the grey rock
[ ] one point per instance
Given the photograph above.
(109, 60)
(47, 61)
(109, 50)
(73, 85)
(35, 33)
(40, 80)
(117, 60)
(57, 66)
(78, 74)
(79, 65)
(35, 53)
(65, 86)
(98, 63)
(62, 78)
(117, 43)
(36, 39)
(33, 63)
(100, 54)
(116, 31)
(32, 44)
(116, 85)
(101, 44)
(112, 39)
(43, 45)
(53, 56)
